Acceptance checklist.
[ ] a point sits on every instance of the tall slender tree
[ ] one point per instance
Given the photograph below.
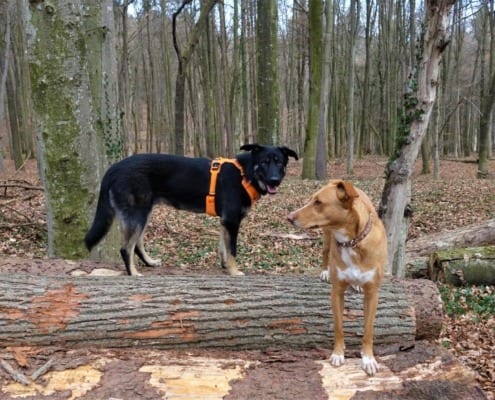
(315, 71)
(5, 14)
(267, 87)
(321, 141)
(353, 32)
(396, 195)
(488, 99)
(183, 58)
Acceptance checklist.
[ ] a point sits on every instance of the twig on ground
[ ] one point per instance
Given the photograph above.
(21, 186)
(43, 369)
(16, 375)
(26, 198)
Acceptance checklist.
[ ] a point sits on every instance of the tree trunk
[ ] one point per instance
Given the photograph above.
(267, 87)
(254, 312)
(351, 56)
(464, 266)
(321, 141)
(486, 128)
(184, 57)
(19, 92)
(5, 13)
(469, 236)
(472, 266)
(396, 193)
(315, 69)
(74, 82)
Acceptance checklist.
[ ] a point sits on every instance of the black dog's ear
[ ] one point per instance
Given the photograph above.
(252, 147)
(288, 152)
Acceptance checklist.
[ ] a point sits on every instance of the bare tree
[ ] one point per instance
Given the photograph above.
(321, 141)
(5, 10)
(396, 194)
(488, 99)
(183, 59)
(267, 87)
(354, 12)
(19, 91)
(315, 71)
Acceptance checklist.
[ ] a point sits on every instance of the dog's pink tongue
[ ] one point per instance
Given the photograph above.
(272, 189)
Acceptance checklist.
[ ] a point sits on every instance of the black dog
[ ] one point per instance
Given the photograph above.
(131, 187)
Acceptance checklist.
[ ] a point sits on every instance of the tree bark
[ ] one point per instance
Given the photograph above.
(315, 72)
(321, 170)
(254, 312)
(464, 266)
(486, 128)
(397, 190)
(469, 236)
(5, 14)
(183, 58)
(473, 266)
(267, 87)
(73, 75)
(351, 57)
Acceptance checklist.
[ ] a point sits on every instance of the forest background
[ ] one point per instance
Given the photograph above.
(87, 83)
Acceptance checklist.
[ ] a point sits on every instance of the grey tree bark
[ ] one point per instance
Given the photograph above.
(396, 194)
(183, 58)
(322, 137)
(315, 72)
(267, 87)
(5, 10)
(73, 75)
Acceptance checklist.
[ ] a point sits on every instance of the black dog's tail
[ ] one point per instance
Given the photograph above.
(102, 221)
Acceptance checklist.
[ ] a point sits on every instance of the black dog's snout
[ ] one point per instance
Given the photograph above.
(274, 181)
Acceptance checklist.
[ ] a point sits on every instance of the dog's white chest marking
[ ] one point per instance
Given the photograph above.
(353, 274)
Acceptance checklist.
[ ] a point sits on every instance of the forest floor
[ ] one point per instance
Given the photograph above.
(187, 243)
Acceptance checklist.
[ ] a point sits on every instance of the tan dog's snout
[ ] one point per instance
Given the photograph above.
(292, 218)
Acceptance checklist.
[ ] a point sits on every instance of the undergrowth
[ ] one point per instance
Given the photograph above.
(477, 301)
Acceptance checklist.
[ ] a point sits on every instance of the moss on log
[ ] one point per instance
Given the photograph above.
(468, 266)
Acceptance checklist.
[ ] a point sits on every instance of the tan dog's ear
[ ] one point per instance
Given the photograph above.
(346, 193)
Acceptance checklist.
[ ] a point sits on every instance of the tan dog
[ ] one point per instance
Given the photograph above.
(354, 253)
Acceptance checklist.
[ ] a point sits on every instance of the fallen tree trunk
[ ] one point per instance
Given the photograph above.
(469, 236)
(459, 267)
(253, 312)
(463, 266)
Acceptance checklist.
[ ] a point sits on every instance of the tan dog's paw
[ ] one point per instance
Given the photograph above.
(369, 365)
(337, 359)
(325, 275)
(235, 272)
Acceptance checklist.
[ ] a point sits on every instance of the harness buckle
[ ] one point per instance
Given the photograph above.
(215, 165)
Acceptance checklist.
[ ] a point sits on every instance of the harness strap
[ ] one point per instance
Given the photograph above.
(215, 168)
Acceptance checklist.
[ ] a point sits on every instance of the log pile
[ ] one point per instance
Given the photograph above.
(465, 256)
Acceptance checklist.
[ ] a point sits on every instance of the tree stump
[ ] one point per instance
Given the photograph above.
(252, 312)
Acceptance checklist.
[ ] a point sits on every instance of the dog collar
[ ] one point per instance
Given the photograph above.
(354, 242)
(215, 167)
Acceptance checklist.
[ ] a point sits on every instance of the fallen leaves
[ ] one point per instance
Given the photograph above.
(269, 244)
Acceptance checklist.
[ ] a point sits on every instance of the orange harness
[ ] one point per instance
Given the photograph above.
(216, 165)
